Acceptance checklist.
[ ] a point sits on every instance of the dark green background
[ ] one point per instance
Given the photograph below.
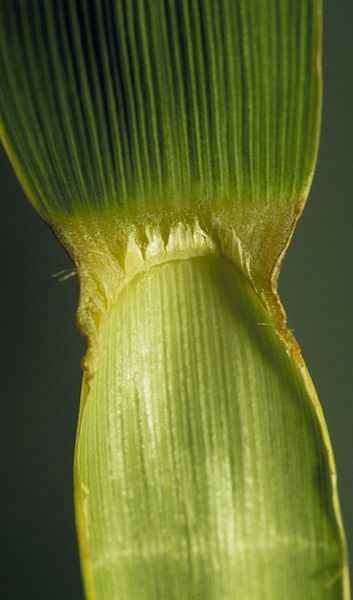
(41, 349)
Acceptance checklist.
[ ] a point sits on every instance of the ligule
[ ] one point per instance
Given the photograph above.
(170, 144)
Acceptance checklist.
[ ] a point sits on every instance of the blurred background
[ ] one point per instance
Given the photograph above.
(41, 348)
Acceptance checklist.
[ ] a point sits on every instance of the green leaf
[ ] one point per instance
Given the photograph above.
(154, 112)
(170, 144)
(158, 103)
(201, 469)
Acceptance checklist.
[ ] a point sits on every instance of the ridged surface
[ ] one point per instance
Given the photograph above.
(203, 472)
(147, 104)
(204, 468)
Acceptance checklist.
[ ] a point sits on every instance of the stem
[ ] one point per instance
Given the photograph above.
(201, 470)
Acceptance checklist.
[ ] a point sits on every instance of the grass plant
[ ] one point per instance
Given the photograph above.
(170, 145)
